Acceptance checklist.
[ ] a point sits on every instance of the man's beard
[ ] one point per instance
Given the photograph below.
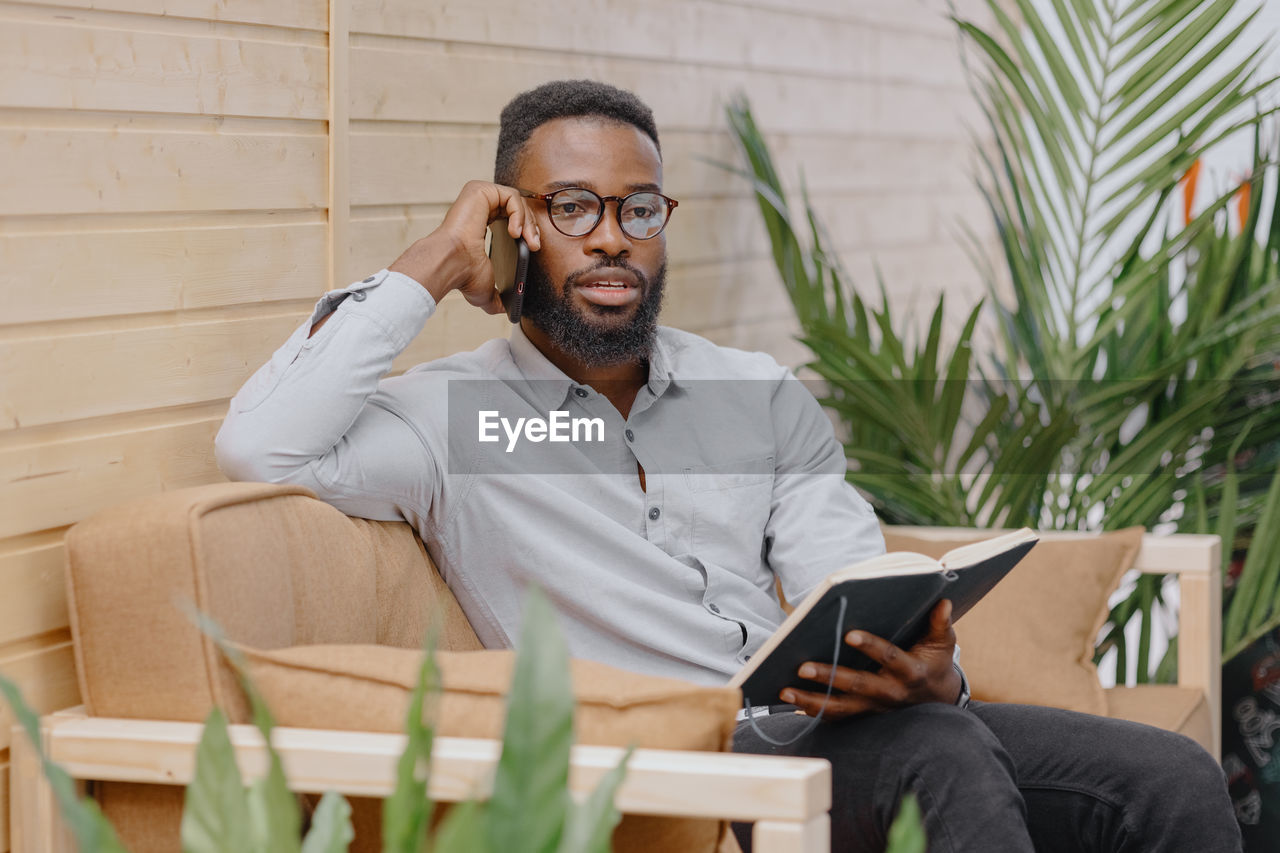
(592, 343)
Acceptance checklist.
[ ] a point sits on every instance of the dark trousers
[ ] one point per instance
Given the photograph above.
(998, 777)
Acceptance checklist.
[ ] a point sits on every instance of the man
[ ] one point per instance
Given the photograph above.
(715, 472)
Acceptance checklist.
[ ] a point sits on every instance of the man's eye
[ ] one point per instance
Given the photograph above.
(640, 212)
(568, 208)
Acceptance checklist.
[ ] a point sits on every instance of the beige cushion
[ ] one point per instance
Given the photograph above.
(1167, 706)
(271, 564)
(1031, 639)
(366, 688)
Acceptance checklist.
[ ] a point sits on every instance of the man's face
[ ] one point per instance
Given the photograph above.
(596, 297)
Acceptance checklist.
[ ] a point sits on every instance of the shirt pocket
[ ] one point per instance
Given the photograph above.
(731, 502)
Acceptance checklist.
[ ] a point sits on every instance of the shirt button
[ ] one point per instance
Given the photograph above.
(367, 280)
(654, 512)
(581, 392)
(359, 296)
(714, 609)
(631, 436)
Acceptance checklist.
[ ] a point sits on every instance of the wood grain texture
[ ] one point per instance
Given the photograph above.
(31, 575)
(44, 670)
(145, 265)
(109, 372)
(292, 14)
(339, 153)
(58, 483)
(395, 163)
(471, 85)
(49, 62)
(658, 781)
(117, 169)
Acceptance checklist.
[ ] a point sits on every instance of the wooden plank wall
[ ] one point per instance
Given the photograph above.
(179, 182)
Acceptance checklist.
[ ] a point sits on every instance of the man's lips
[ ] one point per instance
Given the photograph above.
(609, 287)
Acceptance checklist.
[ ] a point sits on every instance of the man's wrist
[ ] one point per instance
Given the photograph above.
(436, 262)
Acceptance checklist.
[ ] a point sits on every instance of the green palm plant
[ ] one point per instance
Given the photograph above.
(1128, 360)
(530, 808)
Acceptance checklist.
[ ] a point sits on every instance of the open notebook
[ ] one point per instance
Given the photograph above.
(890, 596)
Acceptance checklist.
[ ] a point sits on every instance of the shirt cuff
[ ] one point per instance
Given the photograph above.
(962, 701)
(397, 302)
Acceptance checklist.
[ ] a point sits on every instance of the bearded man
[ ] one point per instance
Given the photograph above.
(716, 475)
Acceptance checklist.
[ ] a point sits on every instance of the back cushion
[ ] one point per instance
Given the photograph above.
(271, 564)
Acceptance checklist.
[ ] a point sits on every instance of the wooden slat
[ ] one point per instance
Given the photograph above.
(823, 45)
(116, 169)
(1200, 616)
(54, 63)
(688, 784)
(31, 577)
(922, 15)
(417, 165)
(440, 160)
(67, 377)
(795, 43)
(59, 483)
(472, 86)
(705, 296)
(44, 670)
(197, 261)
(776, 337)
(339, 163)
(111, 372)
(303, 14)
(37, 825)
(811, 836)
(457, 326)
(4, 801)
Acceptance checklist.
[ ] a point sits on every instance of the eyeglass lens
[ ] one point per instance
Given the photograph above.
(575, 213)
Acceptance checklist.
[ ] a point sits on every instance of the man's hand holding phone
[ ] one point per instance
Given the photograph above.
(453, 257)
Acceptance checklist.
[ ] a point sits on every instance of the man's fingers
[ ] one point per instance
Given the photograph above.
(940, 620)
(839, 705)
(907, 668)
(881, 689)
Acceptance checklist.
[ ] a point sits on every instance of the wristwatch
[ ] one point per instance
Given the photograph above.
(963, 700)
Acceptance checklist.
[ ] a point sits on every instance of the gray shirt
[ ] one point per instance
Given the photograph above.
(744, 479)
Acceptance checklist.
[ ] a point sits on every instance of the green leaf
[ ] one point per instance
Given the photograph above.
(530, 799)
(406, 814)
(906, 833)
(92, 831)
(275, 820)
(215, 813)
(592, 822)
(463, 830)
(331, 830)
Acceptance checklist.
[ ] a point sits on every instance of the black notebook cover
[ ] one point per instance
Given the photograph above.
(895, 607)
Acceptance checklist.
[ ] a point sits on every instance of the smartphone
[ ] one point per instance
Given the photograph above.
(510, 258)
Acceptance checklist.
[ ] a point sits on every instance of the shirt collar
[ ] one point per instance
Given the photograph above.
(548, 382)
(551, 385)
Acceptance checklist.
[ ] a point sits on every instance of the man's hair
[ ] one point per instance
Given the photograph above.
(564, 99)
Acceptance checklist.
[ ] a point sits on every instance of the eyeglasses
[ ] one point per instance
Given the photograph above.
(576, 211)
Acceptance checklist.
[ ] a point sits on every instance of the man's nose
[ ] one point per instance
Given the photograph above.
(608, 238)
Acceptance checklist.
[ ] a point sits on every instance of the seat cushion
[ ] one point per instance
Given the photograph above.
(1031, 639)
(367, 688)
(1167, 706)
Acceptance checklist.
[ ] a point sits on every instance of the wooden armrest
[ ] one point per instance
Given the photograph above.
(788, 798)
